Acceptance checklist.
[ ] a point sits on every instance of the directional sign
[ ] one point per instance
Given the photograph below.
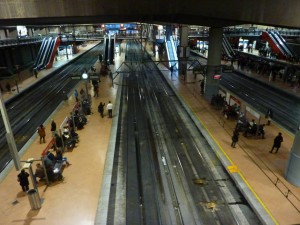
(90, 77)
(94, 77)
(76, 77)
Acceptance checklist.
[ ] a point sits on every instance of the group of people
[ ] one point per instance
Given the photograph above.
(49, 162)
(253, 128)
(288, 73)
(109, 108)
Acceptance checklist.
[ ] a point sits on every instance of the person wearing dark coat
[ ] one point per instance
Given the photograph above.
(269, 116)
(58, 142)
(235, 138)
(59, 157)
(101, 109)
(23, 180)
(53, 128)
(277, 142)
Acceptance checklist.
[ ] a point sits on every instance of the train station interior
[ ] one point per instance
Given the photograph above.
(164, 113)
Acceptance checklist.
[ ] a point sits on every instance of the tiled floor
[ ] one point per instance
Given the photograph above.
(74, 200)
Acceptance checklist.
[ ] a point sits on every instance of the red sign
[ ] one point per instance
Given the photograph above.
(217, 77)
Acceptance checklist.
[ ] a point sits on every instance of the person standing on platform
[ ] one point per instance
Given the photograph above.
(58, 142)
(53, 128)
(76, 95)
(269, 116)
(39, 172)
(277, 142)
(35, 72)
(101, 109)
(172, 69)
(23, 180)
(202, 86)
(42, 133)
(235, 138)
(82, 94)
(59, 157)
(109, 109)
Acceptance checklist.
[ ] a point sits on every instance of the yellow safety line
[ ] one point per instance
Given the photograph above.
(233, 166)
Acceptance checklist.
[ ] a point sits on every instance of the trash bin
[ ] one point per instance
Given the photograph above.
(34, 199)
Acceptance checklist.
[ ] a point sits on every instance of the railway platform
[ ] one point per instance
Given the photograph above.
(75, 199)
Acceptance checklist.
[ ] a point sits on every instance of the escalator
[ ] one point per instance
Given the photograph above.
(44, 49)
(47, 54)
(41, 62)
(40, 53)
(172, 54)
(227, 49)
(276, 45)
(111, 50)
(50, 58)
(279, 43)
(105, 55)
(281, 40)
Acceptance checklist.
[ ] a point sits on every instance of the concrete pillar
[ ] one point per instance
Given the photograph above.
(292, 173)
(213, 62)
(183, 50)
(30, 31)
(13, 33)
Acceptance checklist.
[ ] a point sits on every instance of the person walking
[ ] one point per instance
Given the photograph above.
(235, 138)
(42, 133)
(23, 180)
(101, 109)
(96, 90)
(53, 128)
(277, 142)
(109, 109)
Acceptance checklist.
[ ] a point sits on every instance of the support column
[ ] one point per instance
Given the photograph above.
(213, 62)
(292, 174)
(30, 32)
(183, 51)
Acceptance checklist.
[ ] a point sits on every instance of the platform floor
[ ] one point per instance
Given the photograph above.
(75, 199)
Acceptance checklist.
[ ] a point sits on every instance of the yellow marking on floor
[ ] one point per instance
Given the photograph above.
(233, 169)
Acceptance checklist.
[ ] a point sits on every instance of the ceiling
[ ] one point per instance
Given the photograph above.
(211, 13)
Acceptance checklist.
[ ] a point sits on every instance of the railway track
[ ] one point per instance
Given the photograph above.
(169, 173)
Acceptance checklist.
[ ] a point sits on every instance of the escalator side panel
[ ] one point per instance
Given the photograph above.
(53, 53)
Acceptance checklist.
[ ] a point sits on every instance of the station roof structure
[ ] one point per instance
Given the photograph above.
(211, 13)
